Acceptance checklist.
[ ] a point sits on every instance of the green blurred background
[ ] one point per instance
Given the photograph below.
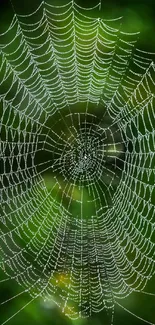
(138, 16)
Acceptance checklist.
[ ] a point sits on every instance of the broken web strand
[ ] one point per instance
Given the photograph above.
(69, 97)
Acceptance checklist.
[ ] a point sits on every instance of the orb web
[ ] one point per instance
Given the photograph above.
(77, 159)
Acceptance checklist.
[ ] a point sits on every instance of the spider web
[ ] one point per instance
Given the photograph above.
(77, 159)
